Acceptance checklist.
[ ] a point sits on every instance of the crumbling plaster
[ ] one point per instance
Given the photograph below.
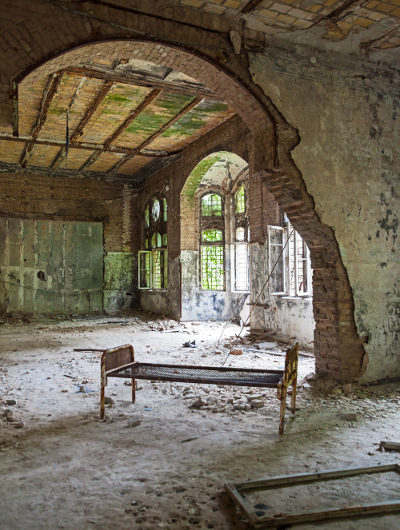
(286, 317)
(347, 117)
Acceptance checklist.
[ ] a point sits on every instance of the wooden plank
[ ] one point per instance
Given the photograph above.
(173, 120)
(115, 167)
(91, 160)
(235, 491)
(58, 158)
(49, 93)
(353, 512)
(146, 81)
(389, 446)
(99, 100)
(140, 108)
(91, 147)
(307, 478)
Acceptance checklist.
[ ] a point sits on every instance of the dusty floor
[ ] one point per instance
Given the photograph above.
(62, 467)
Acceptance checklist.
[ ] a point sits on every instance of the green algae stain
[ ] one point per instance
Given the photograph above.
(196, 176)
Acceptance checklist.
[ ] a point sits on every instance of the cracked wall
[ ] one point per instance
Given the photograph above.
(347, 114)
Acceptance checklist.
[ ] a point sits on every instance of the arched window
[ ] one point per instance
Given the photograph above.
(241, 239)
(153, 264)
(212, 246)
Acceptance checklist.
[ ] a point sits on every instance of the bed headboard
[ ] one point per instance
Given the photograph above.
(116, 357)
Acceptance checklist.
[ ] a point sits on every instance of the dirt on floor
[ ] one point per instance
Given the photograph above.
(163, 461)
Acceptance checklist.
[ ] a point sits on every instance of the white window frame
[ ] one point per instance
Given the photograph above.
(163, 252)
(271, 265)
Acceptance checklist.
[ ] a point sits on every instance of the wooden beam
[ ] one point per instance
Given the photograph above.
(91, 160)
(138, 80)
(90, 147)
(14, 97)
(58, 158)
(115, 167)
(181, 113)
(49, 93)
(135, 113)
(250, 6)
(99, 100)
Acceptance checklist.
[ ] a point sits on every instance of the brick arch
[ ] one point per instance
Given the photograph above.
(46, 46)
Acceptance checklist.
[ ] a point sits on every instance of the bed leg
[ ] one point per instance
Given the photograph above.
(283, 408)
(102, 400)
(133, 390)
(294, 392)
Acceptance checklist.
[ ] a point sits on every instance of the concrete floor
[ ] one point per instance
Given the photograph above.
(64, 468)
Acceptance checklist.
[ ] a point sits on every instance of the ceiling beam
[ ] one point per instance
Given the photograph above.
(58, 158)
(91, 160)
(89, 147)
(49, 93)
(96, 104)
(250, 6)
(134, 114)
(139, 80)
(15, 117)
(181, 113)
(115, 167)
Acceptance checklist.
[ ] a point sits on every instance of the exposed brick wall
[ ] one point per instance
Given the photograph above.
(71, 199)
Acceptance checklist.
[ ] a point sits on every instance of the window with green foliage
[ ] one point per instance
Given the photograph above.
(241, 240)
(212, 247)
(153, 262)
(211, 204)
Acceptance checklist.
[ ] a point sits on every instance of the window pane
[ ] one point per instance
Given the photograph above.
(241, 268)
(276, 262)
(212, 268)
(157, 275)
(159, 269)
(144, 270)
(212, 235)
(239, 200)
(165, 240)
(165, 209)
(211, 205)
(147, 216)
(154, 241)
(155, 211)
(146, 243)
(159, 240)
(240, 234)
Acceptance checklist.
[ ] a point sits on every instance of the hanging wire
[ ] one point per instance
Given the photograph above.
(259, 296)
(67, 139)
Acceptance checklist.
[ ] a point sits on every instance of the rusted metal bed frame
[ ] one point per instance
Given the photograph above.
(120, 362)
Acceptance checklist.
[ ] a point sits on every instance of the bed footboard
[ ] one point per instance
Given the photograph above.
(289, 378)
(110, 360)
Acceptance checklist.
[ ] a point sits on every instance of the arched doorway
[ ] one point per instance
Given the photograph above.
(332, 341)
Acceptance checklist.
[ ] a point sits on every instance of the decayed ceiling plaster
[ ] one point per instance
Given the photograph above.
(122, 116)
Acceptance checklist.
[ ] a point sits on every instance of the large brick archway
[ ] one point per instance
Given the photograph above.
(46, 46)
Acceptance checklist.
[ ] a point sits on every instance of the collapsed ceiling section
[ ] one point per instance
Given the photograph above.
(118, 118)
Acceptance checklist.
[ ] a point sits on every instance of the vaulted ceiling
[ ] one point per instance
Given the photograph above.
(110, 117)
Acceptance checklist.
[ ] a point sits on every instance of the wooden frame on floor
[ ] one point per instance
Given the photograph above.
(237, 493)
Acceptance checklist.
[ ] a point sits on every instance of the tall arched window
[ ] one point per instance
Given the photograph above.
(241, 239)
(212, 246)
(153, 264)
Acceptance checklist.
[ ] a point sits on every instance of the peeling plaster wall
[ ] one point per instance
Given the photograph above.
(347, 114)
(120, 273)
(287, 317)
(164, 301)
(206, 305)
